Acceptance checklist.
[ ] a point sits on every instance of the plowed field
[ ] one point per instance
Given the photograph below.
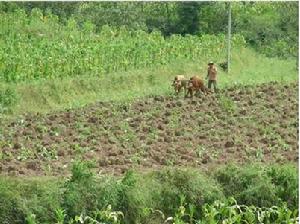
(241, 124)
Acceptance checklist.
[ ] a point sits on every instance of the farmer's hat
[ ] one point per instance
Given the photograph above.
(211, 63)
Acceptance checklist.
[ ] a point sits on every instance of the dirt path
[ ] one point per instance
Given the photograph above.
(242, 124)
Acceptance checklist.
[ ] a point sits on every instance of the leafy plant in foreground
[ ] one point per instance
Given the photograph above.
(230, 212)
(105, 216)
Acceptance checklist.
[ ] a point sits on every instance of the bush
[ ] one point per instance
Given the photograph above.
(24, 199)
(81, 191)
(84, 192)
(138, 198)
(147, 198)
(40, 198)
(252, 185)
(191, 185)
(10, 209)
(285, 179)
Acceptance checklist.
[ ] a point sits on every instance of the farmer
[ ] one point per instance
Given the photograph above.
(212, 76)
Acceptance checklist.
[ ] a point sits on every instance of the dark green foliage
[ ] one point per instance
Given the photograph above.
(142, 198)
(62, 9)
(285, 179)
(213, 18)
(270, 27)
(81, 172)
(131, 200)
(140, 194)
(114, 14)
(251, 185)
(161, 16)
(10, 209)
(85, 193)
(195, 187)
(41, 199)
(189, 17)
(20, 199)
(81, 191)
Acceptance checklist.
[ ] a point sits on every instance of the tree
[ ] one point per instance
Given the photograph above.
(189, 17)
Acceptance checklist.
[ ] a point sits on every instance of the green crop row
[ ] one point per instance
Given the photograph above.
(37, 46)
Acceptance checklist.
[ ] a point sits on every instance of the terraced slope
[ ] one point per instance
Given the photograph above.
(241, 124)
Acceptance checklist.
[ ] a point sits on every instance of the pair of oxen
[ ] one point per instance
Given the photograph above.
(190, 86)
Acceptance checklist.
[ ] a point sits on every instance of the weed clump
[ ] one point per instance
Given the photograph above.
(8, 98)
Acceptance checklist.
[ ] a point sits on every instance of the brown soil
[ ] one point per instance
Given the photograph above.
(241, 124)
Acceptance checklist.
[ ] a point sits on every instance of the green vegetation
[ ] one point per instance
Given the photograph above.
(227, 104)
(269, 27)
(231, 212)
(38, 47)
(68, 56)
(47, 95)
(242, 124)
(8, 98)
(57, 56)
(152, 197)
(254, 186)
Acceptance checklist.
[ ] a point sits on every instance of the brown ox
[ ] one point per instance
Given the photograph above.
(179, 83)
(196, 84)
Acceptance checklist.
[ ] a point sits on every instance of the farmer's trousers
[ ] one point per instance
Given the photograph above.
(214, 82)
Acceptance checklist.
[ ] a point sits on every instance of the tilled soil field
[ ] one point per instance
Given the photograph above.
(240, 124)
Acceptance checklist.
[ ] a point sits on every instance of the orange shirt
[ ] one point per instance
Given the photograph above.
(212, 73)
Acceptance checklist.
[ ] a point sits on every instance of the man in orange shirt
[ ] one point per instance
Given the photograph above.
(212, 76)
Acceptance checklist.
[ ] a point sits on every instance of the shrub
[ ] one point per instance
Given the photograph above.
(285, 179)
(145, 196)
(195, 187)
(10, 209)
(148, 197)
(28, 199)
(254, 185)
(80, 195)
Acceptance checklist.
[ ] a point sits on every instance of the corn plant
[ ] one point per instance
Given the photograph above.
(60, 215)
(37, 46)
(106, 216)
(230, 212)
(31, 219)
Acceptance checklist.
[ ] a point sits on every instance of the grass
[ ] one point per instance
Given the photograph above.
(249, 67)
(43, 96)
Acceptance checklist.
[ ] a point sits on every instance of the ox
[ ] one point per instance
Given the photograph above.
(196, 84)
(179, 83)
